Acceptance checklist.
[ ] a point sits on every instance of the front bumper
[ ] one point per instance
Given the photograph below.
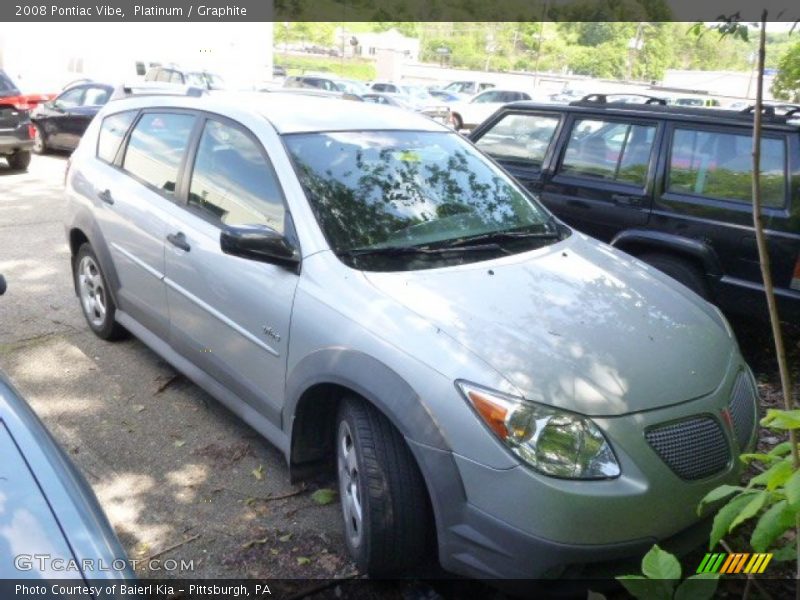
(518, 524)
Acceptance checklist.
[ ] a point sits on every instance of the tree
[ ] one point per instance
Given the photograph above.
(786, 85)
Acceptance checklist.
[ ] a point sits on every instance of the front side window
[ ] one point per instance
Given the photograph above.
(521, 139)
(610, 151)
(232, 182)
(96, 96)
(112, 131)
(71, 98)
(487, 97)
(719, 165)
(389, 200)
(156, 148)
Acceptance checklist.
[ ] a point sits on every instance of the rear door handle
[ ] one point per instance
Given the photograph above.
(179, 241)
(626, 200)
(106, 196)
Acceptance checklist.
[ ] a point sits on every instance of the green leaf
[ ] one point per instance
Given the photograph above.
(750, 509)
(659, 564)
(698, 587)
(773, 523)
(647, 589)
(725, 516)
(760, 457)
(782, 419)
(323, 496)
(785, 553)
(302, 560)
(259, 472)
(775, 476)
(781, 449)
(716, 494)
(792, 490)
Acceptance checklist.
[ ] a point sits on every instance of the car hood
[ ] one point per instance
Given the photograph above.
(577, 325)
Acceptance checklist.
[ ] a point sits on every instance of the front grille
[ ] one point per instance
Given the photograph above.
(743, 409)
(694, 448)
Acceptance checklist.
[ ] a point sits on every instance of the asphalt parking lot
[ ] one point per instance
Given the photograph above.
(177, 474)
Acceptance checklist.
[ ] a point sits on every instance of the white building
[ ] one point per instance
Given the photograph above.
(120, 52)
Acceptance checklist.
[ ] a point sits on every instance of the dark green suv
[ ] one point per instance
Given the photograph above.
(668, 184)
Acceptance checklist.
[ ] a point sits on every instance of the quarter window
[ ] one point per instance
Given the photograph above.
(112, 131)
(156, 148)
(609, 150)
(719, 165)
(520, 139)
(232, 182)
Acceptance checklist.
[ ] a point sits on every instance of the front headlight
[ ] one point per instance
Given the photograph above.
(552, 441)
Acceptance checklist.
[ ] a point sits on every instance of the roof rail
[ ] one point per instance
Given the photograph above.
(149, 89)
(766, 110)
(604, 98)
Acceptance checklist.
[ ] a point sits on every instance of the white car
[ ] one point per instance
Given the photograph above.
(468, 114)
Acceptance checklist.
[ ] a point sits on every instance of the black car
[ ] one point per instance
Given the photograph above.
(668, 184)
(60, 123)
(16, 135)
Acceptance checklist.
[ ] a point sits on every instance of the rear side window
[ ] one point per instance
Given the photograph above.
(112, 132)
(611, 151)
(522, 139)
(719, 165)
(156, 147)
(232, 182)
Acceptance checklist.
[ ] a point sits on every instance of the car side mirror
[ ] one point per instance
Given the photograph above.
(3, 286)
(261, 243)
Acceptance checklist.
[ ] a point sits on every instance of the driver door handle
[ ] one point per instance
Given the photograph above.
(627, 200)
(106, 196)
(179, 241)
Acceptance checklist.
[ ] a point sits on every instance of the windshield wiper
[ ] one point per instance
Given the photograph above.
(420, 250)
(494, 237)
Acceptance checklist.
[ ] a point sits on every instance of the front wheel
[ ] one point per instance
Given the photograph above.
(96, 300)
(680, 270)
(384, 500)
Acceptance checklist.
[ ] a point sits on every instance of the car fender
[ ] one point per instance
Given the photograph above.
(82, 220)
(659, 240)
(371, 379)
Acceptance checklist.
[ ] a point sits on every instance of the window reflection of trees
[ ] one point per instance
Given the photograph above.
(368, 189)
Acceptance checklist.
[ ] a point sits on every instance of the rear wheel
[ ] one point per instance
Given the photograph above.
(96, 300)
(680, 270)
(383, 496)
(20, 160)
(39, 145)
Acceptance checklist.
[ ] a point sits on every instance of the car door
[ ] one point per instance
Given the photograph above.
(54, 117)
(707, 194)
(522, 142)
(229, 315)
(134, 188)
(78, 118)
(602, 182)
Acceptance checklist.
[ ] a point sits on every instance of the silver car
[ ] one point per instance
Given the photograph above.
(376, 297)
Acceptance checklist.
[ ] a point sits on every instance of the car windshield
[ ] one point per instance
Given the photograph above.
(402, 200)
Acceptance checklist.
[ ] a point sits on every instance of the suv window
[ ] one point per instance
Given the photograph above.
(718, 165)
(163, 76)
(232, 182)
(521, 138)
(71, 98)
(6, 85)
(156, 148)
(608, 150)
(112, 131)
(96, 96)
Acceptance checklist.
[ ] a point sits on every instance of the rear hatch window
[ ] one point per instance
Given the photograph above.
(7, 87)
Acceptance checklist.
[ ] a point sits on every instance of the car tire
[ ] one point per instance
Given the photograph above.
(20, 160)
(680, 270)
(383, 496)
(96, 300)
(39, 145)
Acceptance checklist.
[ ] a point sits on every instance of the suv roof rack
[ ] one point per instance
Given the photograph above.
(604, 99)
(149, 89)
